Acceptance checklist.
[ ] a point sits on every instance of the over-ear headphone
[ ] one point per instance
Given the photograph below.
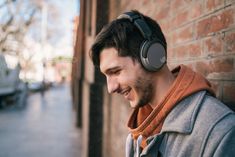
(152, 53)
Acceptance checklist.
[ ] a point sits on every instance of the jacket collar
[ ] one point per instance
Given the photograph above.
(182, 118)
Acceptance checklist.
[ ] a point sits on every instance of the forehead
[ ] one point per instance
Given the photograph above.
(109, 59)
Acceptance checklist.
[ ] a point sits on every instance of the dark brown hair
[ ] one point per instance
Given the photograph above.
(123, 35)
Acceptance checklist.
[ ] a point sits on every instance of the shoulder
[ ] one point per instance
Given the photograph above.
(215, 116)
(214, 111)
(210, 101)
(197, 111)
(219, 122)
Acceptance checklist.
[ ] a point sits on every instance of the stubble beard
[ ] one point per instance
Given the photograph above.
(145, 90)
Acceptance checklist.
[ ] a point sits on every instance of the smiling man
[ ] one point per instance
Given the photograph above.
(126, 76)
(175, 112)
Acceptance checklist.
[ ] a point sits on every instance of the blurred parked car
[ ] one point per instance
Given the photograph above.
(35, 86)
(12, 89)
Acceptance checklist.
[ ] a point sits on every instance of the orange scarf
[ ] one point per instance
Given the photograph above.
(146, 121)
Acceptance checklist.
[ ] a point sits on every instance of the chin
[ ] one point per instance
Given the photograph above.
(133, 105)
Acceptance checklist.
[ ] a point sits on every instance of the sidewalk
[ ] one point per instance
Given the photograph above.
(44, 127)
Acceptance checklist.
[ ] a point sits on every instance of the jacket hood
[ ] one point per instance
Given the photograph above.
(147, 121)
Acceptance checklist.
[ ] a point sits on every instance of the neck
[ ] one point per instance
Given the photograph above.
(163, 80)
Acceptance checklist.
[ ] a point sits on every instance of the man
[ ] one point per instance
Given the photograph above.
(174, 112)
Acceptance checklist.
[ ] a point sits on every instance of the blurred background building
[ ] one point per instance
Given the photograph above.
(200, 34)
(36, 50)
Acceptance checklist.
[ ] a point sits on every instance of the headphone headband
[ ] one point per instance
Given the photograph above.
(152, 52)
(139, 22)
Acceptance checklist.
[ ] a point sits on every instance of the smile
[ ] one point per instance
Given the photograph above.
(126, 92)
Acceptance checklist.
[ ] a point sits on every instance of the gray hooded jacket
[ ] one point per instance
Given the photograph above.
(199, 126)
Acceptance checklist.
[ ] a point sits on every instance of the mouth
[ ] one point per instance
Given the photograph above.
(126, 92)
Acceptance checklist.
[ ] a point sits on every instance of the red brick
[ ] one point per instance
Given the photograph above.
(229, 92)
(202, 67)
(159, 3)
(215, 23)
(163, 13)
(228, 2)
(168, 40)
(190, 65)
(174, 37)
(184, 34)
(172, 65)
(177, 4)
(145, 2)
(194, 49)
(213, 4)
(216, 87)
(166, 26)
(230, 42)
(180, 52)
(184, 51)
(180, 18)
(222, 65)
(170, 54)
(196, 10)
(213, 45)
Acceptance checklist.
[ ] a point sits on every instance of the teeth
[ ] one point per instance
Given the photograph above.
(126, 92)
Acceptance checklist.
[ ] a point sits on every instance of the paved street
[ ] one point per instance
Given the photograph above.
(44, 127)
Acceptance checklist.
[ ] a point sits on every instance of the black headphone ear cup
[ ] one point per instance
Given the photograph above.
(152, 55)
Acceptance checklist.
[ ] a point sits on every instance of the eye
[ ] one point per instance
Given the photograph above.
(115, 72)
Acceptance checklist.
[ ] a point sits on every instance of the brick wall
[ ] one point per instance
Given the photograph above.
(200, 34)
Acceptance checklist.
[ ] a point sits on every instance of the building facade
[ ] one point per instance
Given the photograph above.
(200, 34)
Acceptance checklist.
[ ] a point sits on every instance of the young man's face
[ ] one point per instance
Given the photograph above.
(126, 77)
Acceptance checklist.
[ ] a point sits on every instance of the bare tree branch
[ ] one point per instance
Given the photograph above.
(6, 2)
(16, 24)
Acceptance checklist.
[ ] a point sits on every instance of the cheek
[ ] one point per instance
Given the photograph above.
(130, 75)
(126, 77)
(128, 80)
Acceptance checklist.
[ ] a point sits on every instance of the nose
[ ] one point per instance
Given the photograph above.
(112, 84)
